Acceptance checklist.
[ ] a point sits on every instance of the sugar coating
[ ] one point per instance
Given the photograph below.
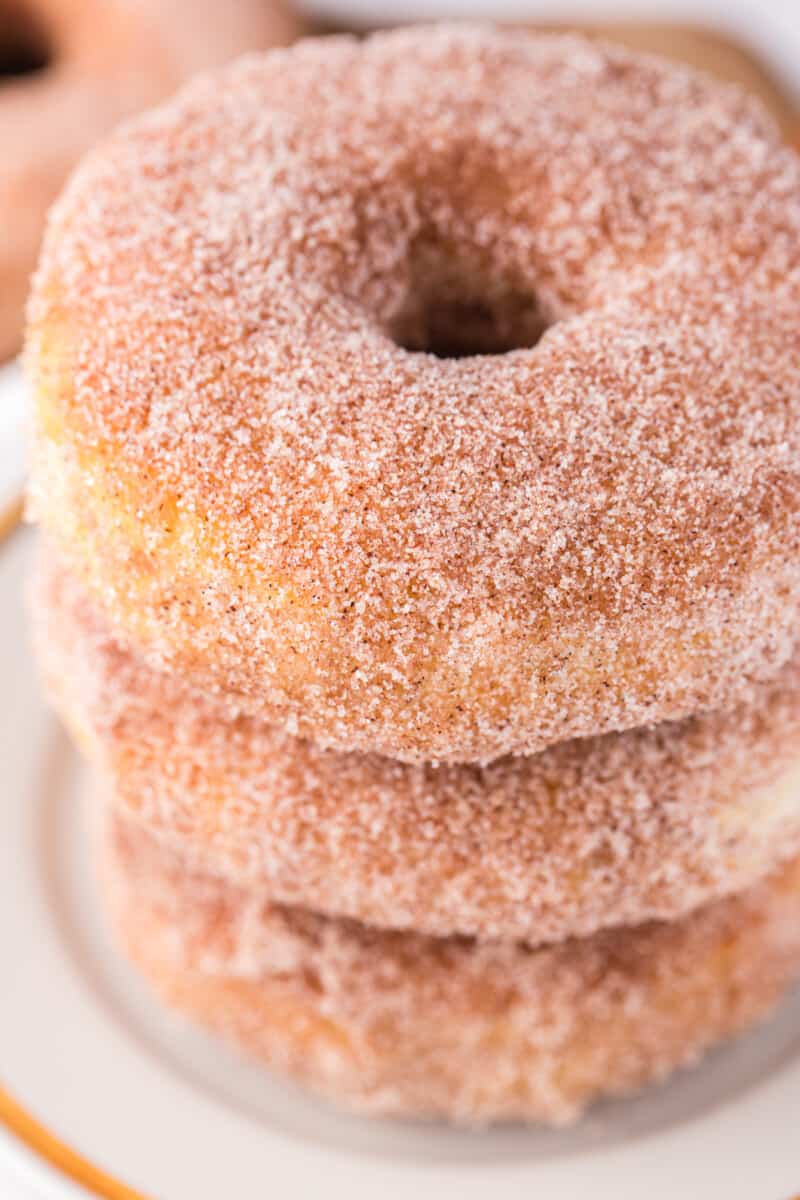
(588, 834)
(386, 550)
(403, 1024)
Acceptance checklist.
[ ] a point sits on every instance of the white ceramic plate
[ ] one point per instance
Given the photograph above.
(13, 433)
(162, 1111)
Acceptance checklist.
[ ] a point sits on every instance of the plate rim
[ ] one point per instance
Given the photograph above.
(44, 1146)
(46, 1149)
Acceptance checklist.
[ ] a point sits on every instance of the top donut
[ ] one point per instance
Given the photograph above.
(436, 395)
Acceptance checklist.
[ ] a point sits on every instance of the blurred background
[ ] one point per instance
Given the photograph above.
(768, 27)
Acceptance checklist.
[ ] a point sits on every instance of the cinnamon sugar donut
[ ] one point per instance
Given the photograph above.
(257, 448)
(588, 834)
(69, 70)
(403, 1024)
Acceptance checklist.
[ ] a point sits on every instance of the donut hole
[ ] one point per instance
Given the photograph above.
(24, 48)
(458, 309)
(461, 328)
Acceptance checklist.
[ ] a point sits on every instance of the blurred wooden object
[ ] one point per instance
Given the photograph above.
(716, 53)
(10, 516)
(706, 49)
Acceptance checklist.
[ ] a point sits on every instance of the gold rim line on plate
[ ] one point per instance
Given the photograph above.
(57, 1154)
(20, 1123)
(17, 1120)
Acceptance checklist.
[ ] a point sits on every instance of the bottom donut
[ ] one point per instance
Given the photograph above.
(403, 1024)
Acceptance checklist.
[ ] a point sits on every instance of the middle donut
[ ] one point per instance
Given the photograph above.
(588, 834)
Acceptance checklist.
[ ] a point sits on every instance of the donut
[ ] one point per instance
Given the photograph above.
(588, 834)
(400, 1024)
(435, 395)
(70, 69)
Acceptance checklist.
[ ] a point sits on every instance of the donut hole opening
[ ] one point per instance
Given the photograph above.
(24, 48)
(462, 326)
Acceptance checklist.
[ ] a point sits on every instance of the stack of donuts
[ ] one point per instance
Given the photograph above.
(418, 460)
